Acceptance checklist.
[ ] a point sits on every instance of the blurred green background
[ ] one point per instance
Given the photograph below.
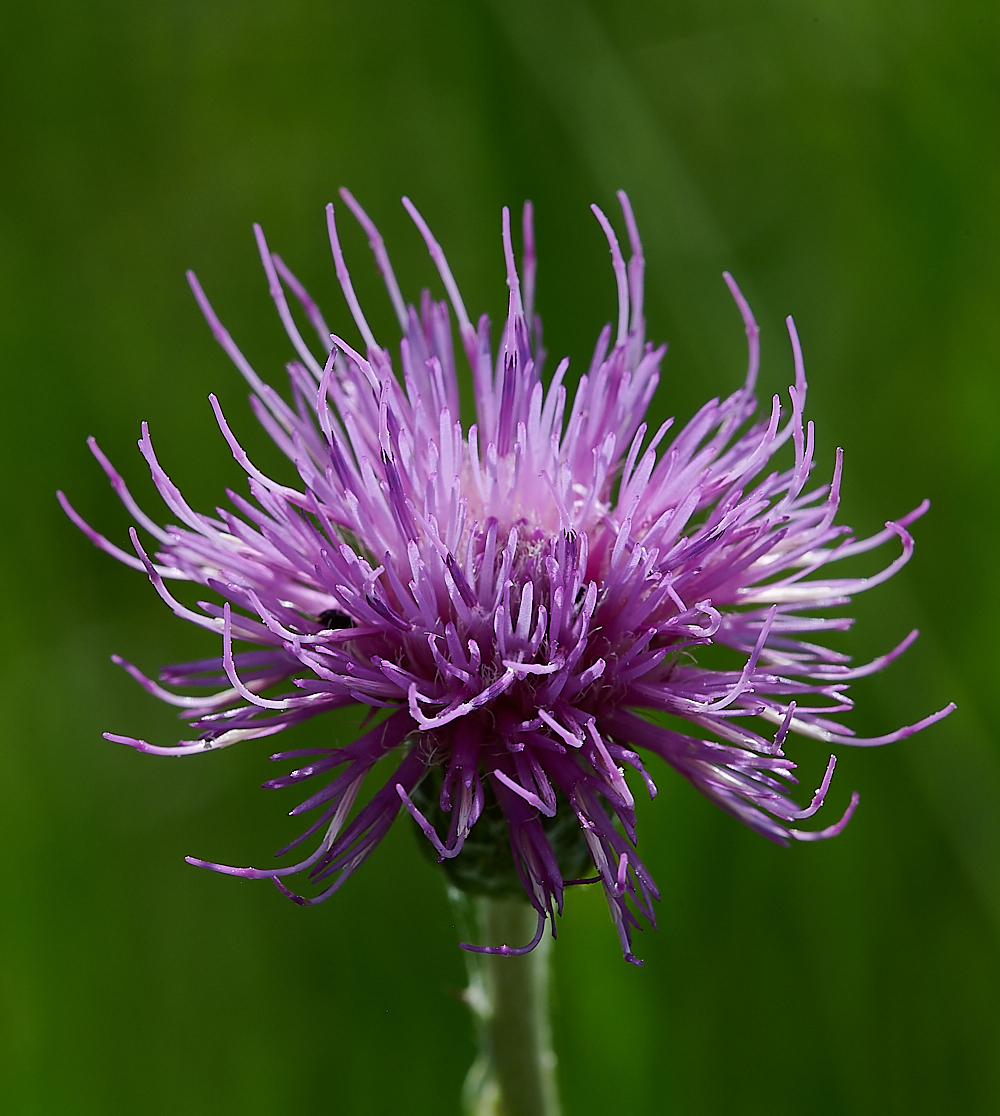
(841, 158)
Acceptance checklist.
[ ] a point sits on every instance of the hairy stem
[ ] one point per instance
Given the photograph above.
(514, 1073)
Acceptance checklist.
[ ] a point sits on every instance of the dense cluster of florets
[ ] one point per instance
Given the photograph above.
(515, 602)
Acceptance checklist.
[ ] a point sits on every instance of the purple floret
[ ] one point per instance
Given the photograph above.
(515, 603)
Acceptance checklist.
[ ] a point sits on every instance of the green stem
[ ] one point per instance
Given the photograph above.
(514, 1073)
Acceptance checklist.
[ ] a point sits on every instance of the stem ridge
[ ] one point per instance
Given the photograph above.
(514, 1073)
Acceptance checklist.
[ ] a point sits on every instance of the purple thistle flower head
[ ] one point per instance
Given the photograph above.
(517, 602)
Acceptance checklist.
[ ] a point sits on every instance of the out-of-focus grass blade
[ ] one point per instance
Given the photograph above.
(601, 107)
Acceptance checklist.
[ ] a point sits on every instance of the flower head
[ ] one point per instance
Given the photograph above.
(517, 602)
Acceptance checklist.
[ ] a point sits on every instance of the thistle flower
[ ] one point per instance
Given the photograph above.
(515, 603)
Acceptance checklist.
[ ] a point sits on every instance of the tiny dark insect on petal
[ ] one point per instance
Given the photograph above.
(334, 618)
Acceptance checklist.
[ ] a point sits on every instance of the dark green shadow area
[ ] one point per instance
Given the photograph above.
(842, 161)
